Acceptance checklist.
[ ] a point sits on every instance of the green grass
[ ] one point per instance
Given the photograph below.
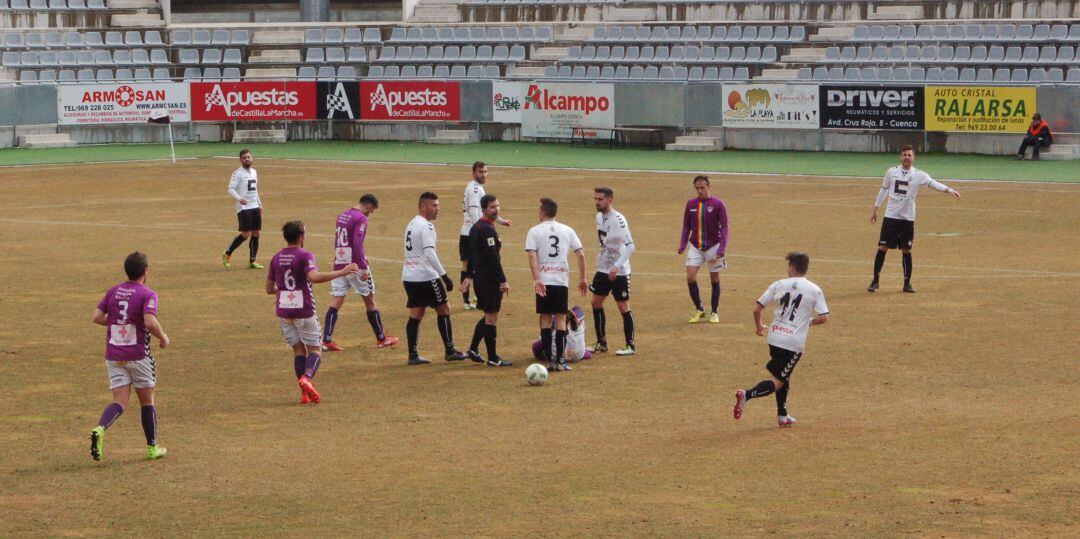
(944, 166)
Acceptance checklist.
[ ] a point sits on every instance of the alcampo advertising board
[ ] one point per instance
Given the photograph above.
(981, 109)
(553, 110)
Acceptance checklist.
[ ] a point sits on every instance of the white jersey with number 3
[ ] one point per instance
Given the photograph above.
(553, 242)
(421, 261)
(615, 238)
(470, 206)
(797, 299)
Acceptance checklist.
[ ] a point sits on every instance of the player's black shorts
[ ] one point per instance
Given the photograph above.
(463, 248)
(897, 233)
(602, 285)
(425, 293)
(488, 296)
(250, 219)
(555, 302)
(782, 363)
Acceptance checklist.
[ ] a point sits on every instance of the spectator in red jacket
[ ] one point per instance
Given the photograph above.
(1038, 136)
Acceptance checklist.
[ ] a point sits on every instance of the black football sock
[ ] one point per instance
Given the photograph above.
(763, 389)
(545, 343)
(781, 400)
(490, 337)
(879, 262)
(331, 321)
(600, 324)
(375, 319)
(149, 424)
(235, 243)
(446, 331)
(628, 327)
(253, 247)
(560, 344)
(298, 365)
(478, 335)
(695, 295)
(715, 295)
(412, 334)
(464, 293)
(906, 261)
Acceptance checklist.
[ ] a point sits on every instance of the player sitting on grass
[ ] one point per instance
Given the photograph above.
(574, 347)
(129, 311)
(292, 272)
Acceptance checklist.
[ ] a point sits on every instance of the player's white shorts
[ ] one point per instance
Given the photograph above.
(697, 258)
(141, 374)
(340, 286)
(301, 330)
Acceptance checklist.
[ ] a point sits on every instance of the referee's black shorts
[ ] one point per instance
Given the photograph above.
(488, 296)
(250, 220)
(897, 233)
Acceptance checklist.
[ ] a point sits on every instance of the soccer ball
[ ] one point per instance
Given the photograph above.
(536, 374)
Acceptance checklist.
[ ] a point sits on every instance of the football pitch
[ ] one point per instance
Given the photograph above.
(949, 412)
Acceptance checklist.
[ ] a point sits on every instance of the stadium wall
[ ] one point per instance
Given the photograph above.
(675, 109)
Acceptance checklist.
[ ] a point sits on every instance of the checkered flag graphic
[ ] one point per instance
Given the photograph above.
(217, 98)
(379, 97)
(338, 102)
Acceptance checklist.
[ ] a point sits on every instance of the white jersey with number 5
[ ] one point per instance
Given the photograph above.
(553, 243)
(615, 239)
(901, 186)
(470, 206)
(421, 261)
(244, 185)
(797, 299)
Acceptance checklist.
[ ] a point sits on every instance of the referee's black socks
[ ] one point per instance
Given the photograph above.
(490, 337)
(464, 293)
(478, 335)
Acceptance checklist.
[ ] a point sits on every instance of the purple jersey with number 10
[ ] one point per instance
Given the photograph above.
(288, 270)
(349, 239)
(124, 305)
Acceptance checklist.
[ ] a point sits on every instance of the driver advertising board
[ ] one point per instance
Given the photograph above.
(871, 107)
(123, 102)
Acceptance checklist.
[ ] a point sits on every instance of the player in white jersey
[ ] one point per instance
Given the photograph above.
(549, 244)
(425, 280)
(244, 188)
(472, 213)
(796, 299)
(901, 185)
(612, 270)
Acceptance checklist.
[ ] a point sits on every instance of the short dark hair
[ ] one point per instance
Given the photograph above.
(135, 265)
(907, 147)
(799, 261)
(478, 164)
(1037, 117)
(245, 150)
(486, 200)
(606, 191)
(701, 178)
(292, 231)
(549, 207)
(427, 195)
(369, 198)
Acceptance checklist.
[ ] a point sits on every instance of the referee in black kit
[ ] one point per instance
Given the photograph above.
(484, 274)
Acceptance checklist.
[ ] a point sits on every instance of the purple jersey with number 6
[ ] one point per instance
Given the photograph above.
(288, 270)
(124, 305)
(349, 239)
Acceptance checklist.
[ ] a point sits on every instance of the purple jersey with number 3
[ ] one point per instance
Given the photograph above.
(124, 305)
(349, 239)
(288, 270)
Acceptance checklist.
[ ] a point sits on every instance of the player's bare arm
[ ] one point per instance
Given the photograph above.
(534, 266)
(316, 277)
(583, 285)
(819, 319)
(271, 287)
(758, 327)
(154, 327)
(504, 287)
(100, 317)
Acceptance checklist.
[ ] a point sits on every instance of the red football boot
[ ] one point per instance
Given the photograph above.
(387, 342)
(332, 346)
(308, 389)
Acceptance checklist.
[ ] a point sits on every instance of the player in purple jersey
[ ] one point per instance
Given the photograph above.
(292, 272)
(704, 238)
(349, 234)
(129, 312)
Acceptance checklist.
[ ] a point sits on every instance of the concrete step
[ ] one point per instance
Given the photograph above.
(275, 56)
(139, 20)
(695, 144)
(777, 74)
(253, 136)
(802, 55)
(830, 34)
(133, 4)
(270, 73)
(578, 33)
(630, 14)
(1060, 152)
(278, 37)
(517, 72)
(895, 13)
(454, 136)
(51, 140)
(440, 13)
(549, 53)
